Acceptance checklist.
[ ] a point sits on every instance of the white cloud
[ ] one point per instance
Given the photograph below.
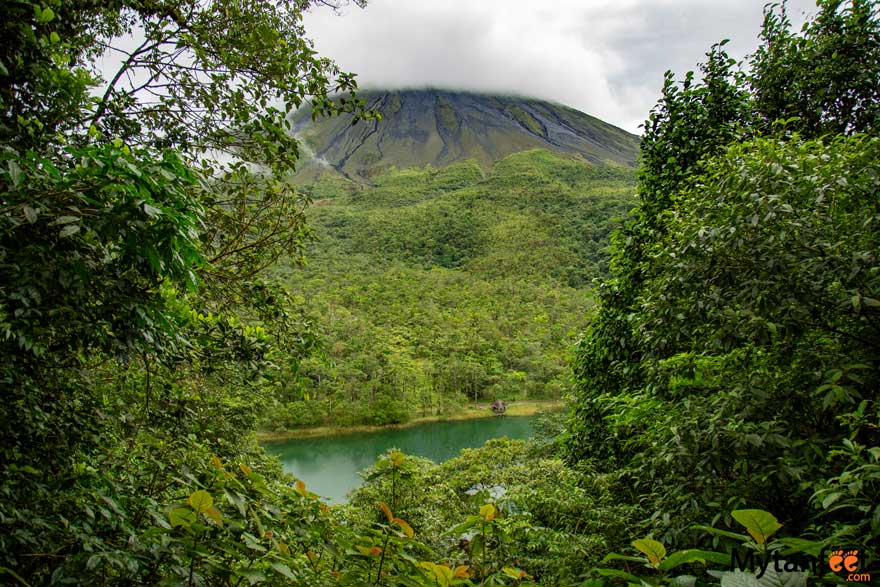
(605, 57)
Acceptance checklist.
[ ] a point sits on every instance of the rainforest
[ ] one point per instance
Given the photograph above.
(225, 241)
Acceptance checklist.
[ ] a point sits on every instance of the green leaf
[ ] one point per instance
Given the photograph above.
(68, 230)
(253, 576)
(619, 575)
(684, 581)
(654, 550)
(770, 578)
(760, 524)
(54, 38)
(469, 523)
(622, 557)
(513, 573)
(476, 544)
(442, 574)
(284, 570)
(235, 499)
(738, 579)
(29, 213)
(152, 211)
(795, 545)
(15, 575)
(830, 499)
(252, 542)
(200, 501)
(14, 172)
(47, 15)
(724, 533)
(181, 516)
(682, 557)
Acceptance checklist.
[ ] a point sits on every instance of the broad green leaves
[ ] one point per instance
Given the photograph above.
(181, 517)
(487, 512)
(45, 15)
(200, 501)
(441, 574)
(761, 525)
(693, 555)
(654, 550)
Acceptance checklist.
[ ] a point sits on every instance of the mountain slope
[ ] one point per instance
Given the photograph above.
(440, 127)
(430, 287)
(458, 238)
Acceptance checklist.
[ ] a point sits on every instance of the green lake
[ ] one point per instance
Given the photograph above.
(329, 465)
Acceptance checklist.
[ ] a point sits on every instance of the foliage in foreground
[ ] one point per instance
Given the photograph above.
(513, 504)
(136, 333)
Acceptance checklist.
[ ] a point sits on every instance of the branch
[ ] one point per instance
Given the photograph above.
(145, 47)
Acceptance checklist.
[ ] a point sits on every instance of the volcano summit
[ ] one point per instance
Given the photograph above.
(440, 127)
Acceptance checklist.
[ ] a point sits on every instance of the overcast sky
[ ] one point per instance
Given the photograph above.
(604, 57)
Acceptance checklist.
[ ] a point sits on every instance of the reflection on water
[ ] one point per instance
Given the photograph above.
(329, 465)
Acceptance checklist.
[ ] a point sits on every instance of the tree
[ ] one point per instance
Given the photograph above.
(138, 338)
(734, 349)
(827, 77)
(689, 124)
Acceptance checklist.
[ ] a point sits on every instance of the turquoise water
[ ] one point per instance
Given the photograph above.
(329, 465)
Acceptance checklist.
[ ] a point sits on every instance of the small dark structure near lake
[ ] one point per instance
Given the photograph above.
(499, 407)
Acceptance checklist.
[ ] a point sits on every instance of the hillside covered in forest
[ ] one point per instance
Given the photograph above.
(432, 288)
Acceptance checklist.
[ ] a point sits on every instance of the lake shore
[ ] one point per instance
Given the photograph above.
(469, 412)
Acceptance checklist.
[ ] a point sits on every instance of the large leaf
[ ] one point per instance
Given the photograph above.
(387, 512)
(760, 524)
(284, 570)
(200, 501)
(29, 213)
(693, 555)
(181, 517)
(684, 581)
(795, 545)
(253, 576)
(654, 550)
(407, 529)
(622, 557)
(724, 533)
(619, 575)
(441, 574)
(770, 578)
(469, 523)
(738, 579)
